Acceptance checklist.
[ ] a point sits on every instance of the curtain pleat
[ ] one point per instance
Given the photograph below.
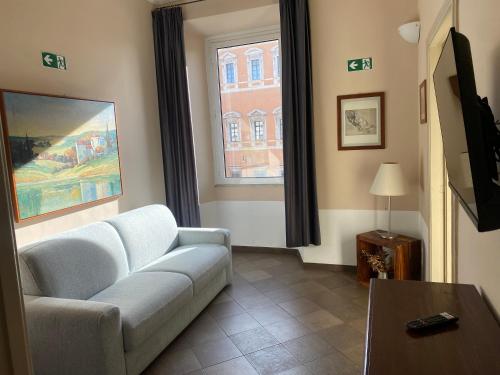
(301, 203)
(175, 118)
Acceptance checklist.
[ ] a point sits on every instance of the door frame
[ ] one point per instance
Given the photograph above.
(442, 217)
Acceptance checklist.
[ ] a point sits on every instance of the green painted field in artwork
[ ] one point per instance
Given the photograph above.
(65, 188)
(64, 152)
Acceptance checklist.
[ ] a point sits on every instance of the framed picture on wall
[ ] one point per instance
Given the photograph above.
(361, 121)
(423, 102)
(62, 152)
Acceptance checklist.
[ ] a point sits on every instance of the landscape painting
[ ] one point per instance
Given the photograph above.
(63, 152)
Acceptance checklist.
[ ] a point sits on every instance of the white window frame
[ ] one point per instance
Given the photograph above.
(212, 44)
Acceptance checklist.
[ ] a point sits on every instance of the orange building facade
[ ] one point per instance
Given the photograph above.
(250, 89)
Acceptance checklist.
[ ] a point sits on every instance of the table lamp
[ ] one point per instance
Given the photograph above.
(389, 182)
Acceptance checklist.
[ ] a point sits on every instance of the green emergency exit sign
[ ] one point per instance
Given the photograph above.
(52, 60)
(364, 63)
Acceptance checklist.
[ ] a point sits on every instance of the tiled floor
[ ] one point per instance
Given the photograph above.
(276, 318)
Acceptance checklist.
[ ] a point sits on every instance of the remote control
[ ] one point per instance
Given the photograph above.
(432, 321)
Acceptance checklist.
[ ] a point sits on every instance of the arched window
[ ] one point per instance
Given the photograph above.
(229, 69)
(255, 64)
(233, 129)
(258, 125)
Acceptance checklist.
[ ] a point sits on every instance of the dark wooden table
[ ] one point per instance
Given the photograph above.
(407, 256)
(472, 347)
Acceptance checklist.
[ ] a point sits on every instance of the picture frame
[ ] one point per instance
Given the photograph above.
(423, 101)
(361, 121)
(62, 153)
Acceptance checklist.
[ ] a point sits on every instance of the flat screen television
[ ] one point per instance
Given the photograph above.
(471, 138)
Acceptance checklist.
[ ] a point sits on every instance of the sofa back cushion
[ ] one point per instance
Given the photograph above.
(76, 264)
(147, 233)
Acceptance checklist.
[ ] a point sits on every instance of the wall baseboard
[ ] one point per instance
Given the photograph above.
(262, 224)
(294, 252)
(263, 250)
(327, 267)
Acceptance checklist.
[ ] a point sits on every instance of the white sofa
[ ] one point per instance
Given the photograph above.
(109, 297)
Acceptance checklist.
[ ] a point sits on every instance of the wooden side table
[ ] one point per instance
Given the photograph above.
(407, 256)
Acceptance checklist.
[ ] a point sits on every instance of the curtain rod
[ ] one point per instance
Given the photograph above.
(179, 4)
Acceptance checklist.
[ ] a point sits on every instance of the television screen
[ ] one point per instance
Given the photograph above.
(470, 137)
(452, 126)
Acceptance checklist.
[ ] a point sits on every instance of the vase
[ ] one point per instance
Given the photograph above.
(382, 275)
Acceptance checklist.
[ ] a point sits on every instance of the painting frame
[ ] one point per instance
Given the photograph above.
(4, 125)
(377, 103)
(422, 94)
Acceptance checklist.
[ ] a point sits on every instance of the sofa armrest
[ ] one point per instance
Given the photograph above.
(193, 236)
(74, 336)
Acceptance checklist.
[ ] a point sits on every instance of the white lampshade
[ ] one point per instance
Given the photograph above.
(389, 181)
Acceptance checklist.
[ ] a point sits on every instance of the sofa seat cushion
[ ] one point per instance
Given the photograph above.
(146, 301)
(201, 263)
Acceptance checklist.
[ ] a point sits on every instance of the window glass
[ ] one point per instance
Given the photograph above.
(248, 113)
(255, 69)
(234, 132)
(258, 128)
(230, 73)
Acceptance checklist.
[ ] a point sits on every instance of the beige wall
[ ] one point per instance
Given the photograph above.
(341, 30)
(109, 50)
(478, 253)
(344, 178)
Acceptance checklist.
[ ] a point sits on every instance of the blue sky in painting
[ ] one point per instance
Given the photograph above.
(48, 116)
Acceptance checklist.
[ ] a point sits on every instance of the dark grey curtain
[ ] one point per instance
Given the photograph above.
(301, 203)
(175, 120)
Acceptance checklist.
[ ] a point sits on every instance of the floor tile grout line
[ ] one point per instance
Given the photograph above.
(346, 291)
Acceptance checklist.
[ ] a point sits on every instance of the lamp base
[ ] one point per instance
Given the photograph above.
(387, 235)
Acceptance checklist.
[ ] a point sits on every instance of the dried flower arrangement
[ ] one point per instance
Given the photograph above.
(376, 261)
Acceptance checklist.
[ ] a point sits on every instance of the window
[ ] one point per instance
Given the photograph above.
(258, 130)
(232, 121)
(255, 69)
(255, 62)
(258, 125)
(278, 121)
(230, 73)
(234, 132)
(245, 111)
(276, 63)
(228, 69)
